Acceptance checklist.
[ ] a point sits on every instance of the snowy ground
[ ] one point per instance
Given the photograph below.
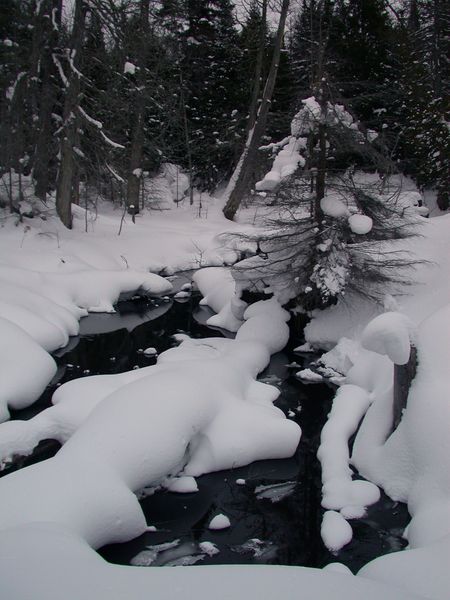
(54, 513)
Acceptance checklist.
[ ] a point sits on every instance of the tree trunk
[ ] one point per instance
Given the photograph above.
(403, 377)
(240, 180)
(137, 138)
(253, 112)
(66, 174)
(43, 143)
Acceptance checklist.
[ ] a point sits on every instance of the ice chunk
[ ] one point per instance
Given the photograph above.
(275, 492)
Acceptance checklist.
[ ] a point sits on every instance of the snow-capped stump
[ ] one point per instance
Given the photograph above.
(360, 224)
(240, 482)
(219, 522)
(390, 334)
(150, 352)
(183, 485)
(335, 531)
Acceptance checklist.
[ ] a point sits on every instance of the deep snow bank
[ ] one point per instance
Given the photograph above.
(413, 463)
(60, 564)
(39, 311)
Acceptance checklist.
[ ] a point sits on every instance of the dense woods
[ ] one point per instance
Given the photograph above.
(96, 94)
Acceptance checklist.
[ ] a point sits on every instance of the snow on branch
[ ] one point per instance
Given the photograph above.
(61, 71)
(111, 142)
(115, 174)
(90, 119)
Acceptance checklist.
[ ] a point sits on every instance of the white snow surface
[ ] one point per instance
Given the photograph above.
(46, 308)
(220, 521)
(86, 498)
(360, 224)
(412, 464)
(218, 289)
(55, 558)
(391, 334)
(198, 410)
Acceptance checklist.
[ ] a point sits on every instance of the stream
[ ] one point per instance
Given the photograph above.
(273, 505)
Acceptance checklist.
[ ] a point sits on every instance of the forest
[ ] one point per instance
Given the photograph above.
(96, 95)
(224, 299)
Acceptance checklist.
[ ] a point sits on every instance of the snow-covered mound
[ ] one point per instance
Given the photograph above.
(38, 313)
(412, 464)
(218, 289)
(200, 409)
(61, 565)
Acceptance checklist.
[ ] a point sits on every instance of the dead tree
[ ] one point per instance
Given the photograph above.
(67, 166)
(240, 180)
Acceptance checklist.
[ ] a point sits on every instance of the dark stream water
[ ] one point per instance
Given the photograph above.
(278, 525)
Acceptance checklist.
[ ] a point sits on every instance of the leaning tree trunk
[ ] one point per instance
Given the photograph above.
(240, 180)
(253, 112)
(67, 166)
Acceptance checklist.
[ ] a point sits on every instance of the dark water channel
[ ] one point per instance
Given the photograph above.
(273, 525)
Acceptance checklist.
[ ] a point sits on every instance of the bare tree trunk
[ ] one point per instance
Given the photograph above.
(47, 97)
(137, 139)
(187, 141)
(240, 180)
(67, 167)
(253, 112)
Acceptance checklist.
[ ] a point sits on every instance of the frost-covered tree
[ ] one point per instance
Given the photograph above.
(327, 232)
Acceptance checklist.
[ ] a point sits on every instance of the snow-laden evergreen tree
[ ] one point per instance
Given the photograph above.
(326, 233)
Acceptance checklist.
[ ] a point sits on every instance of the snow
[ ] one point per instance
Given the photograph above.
(25, 368)
(335, 531)
(62, 555)
(360, 224)
(200, 408)
(47, 306)
(150, 352)
(333, 207)
(390, 334)
(219, 522)
(412, 463)
(218, 289)
(285, 164)
(309, 376)
(182, 485)
(129, 68)
(339, 490)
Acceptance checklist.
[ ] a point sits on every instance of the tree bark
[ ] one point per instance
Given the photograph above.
(47, 97)
(253, 112)
(240, 180)
(67, 167)
(403, 377)
(137, 138)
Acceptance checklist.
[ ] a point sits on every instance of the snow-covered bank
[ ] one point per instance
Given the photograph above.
(61, 565)
(198, 410)
(412, 464)
(76, 489)
(39, 311)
